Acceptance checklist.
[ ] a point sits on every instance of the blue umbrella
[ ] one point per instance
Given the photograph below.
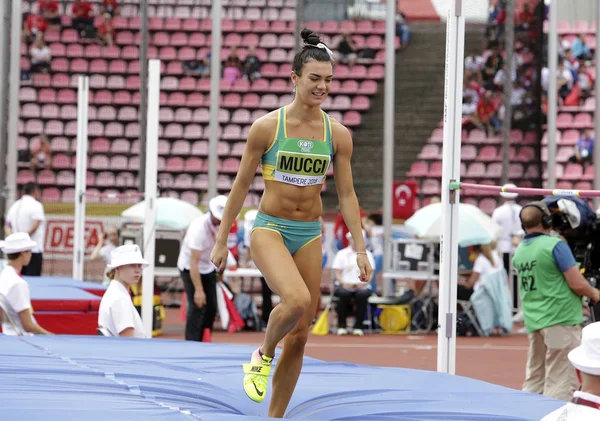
(474, 226)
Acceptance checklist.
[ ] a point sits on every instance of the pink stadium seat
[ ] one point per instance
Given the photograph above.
(134, 163)
(241, 116)
(431, 187)
(230, 165)
(98, 82)
(488, 154)
(122, 98)
(260, 26)
(564, 120)
(194, 165)
(164, 147)
(59, 65)
(132, 130)
(200, 148)
(59, 144)
(125, 179)
(183, 181)
(65, 178)
(487, 205)
(250, 101)
(130, 52)
(418, 169)
(181, 147)
(192, 132)
(223, 182)
(51, 195)
(330, 27)
(105, 179)
(99, 162)
(183, 115)
(468, 153)
(127, 114)
(573, 172)
(476, 170)
(113, 129)
(241, 85)
(430, 152)
(100, 145)
(352, 119)
(165, 115)
(41, 80)
(61, 161)
(31, 111)
(114, 82)
(238, 149)
(360, 103)
(583, 121)
(120, 146)
(46, 178)
(568, 138)
(190, 196)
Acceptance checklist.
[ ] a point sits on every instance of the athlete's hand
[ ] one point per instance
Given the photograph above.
(199, 298)
(218, 256)
(366, 271)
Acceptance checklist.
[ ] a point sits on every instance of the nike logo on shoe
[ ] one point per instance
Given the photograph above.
(258, 392)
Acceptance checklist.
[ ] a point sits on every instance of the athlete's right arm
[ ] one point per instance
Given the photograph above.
(259, 138)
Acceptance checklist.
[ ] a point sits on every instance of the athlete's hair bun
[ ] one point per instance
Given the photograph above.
(309, 37)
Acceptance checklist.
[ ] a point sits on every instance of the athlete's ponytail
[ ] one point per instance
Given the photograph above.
(314, 49)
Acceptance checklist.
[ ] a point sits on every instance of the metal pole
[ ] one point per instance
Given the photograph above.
(552, 91)
(596, 155)
(13, 101)
(215, 79)
(83, 95)
(455, 46)
(299, 25)
(388, 136)
(4, 87)
(509, 43)
(143, 89)
(150, 196)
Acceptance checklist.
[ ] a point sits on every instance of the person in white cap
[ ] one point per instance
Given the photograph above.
(117, 314)
(198, 272)
(14, 290)
(585, 405)
(350, 288)
(507, 218)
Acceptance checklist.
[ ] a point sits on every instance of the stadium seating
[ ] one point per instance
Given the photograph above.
(179, 30)
(481, 156)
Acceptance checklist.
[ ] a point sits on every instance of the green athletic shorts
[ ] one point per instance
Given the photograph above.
(295, 234)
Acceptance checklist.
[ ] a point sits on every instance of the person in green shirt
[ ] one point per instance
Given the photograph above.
(551, 287)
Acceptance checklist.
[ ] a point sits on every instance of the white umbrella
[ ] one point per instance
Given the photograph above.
(474, 226)
(170, 213)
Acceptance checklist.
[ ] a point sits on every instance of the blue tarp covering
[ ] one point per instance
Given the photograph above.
(74, 378)
(60, 293)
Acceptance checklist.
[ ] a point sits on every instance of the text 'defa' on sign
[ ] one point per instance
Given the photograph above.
(60, 236)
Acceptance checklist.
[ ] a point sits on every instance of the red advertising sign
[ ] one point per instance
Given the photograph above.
(60, 236)
(404, 196)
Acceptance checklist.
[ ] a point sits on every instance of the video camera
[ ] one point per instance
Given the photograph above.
(576, 221)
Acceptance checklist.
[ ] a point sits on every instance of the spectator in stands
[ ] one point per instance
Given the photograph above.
(232, 70)
(340, 230)
(106, 31)
(199, 67)
(497, 20)
(41, 157)
(49, 10)
(347, 50)
(487, 261)
(27, 215)
(583, 151)
(105, 247)
(486, 115)
(580, 50)
(40, 56)
(111, 7)
(474, 62)
(251, 68)
(525, 19)
(493, 63)
(585, 81)
(117, 314)
(402, 29)
(34, 25)
(14, 290)
(551, 291)
(564, 80)
(198, 272)
(585, 404)
(83, 17)
(349, 287)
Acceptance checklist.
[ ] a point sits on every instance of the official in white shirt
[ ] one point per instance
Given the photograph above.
(507, 218)
(585, 405)
(117, 313)
(14, 290)
(349, 287)
(198, 272)
(27, 215)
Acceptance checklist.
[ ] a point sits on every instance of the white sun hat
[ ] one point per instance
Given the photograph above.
(129, 254)
(217, 206)
(507, 195)
(17, 243)
(586, 357)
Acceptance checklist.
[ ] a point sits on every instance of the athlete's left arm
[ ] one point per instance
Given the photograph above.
(344, 185)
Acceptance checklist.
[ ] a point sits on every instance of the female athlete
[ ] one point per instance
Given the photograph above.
(295, 144)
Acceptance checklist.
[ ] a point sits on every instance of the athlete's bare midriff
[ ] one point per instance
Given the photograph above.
(291, 202)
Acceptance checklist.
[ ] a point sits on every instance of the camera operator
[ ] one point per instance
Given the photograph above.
(551, 289)
(585, 405)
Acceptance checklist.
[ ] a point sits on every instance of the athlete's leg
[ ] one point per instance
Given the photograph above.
(276, 264)
(308, 262)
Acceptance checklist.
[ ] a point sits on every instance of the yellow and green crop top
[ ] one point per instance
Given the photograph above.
(300, 162)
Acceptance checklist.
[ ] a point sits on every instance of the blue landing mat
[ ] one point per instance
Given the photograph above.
(74, 378)
(59, 281)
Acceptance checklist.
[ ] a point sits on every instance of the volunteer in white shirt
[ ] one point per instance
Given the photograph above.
(14, 290)
(27, 215)
(198, 272)
(117, 314)
(507, 218)
(105, 248)
(349, 287)
(585, 405)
